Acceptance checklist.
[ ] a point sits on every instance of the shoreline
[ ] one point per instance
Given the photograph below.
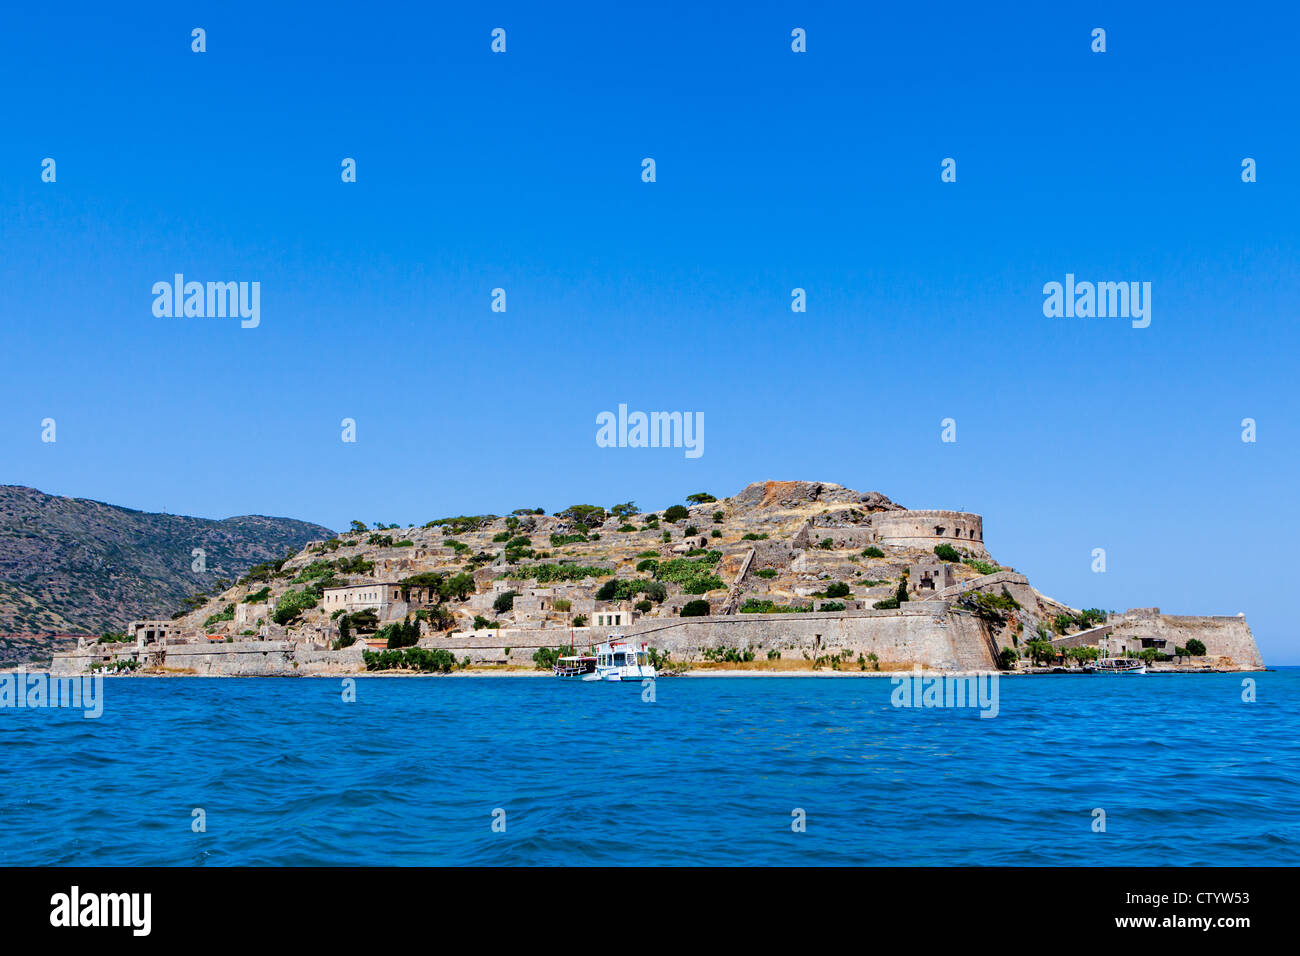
(487, 672)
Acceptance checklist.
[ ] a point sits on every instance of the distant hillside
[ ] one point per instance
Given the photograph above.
(78, 566)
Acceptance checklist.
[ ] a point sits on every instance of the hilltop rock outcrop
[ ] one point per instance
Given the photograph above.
(792, 494)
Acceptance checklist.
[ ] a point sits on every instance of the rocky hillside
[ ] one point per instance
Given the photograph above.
(78, 566)
(776, 545)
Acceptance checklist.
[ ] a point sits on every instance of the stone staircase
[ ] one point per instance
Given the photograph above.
(976, 584)
(733, 595)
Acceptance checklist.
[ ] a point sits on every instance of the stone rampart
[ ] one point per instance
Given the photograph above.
(925, 529)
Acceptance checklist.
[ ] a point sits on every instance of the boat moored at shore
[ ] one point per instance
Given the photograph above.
(575, 666)
(1116, 665)
(619, 659)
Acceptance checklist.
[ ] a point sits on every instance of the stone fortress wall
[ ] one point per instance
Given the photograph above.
(1227, 636)
(925, 529)
(929, 633)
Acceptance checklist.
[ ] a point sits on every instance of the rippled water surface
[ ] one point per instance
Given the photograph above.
(709, 773)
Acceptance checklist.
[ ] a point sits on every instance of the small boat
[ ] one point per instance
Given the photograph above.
(575, 666)
(1116, 665)
(621, 660)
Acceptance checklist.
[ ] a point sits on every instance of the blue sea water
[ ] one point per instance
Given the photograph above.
(710, 772)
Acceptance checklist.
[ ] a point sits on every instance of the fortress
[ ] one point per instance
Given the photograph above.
(903, 528)
(925, 529)
(783, 571)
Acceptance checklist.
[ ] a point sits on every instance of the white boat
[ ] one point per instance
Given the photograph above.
(619, 659)
(575, 666)
(1116, 665)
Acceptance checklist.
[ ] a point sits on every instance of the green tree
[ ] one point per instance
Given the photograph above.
(461, 586)
(947, 552)
(366, 620)
(698, 608)
(1195, 647)
(291, 605)
(1040, 651)
(590, 516)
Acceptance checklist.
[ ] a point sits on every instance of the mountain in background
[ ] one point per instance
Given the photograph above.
(81, 566)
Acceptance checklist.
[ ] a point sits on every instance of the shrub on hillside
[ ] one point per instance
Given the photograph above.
(257, 597)
(226, 615)
(694, 575)
(544, 573)
(763, 606)
(366, 620)
(560, 540)
(291, 605)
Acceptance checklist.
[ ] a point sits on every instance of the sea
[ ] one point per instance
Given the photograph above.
(1143, 770)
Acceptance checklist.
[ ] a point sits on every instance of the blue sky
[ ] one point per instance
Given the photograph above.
(775, 170)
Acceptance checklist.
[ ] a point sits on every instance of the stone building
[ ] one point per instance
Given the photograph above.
(929, 576)
(536, 605)
(388, 599)
(248, 615)
(613, 615)
(153, 632)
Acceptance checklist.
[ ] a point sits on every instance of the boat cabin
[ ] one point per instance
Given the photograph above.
(622, 653)
(575, 666)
